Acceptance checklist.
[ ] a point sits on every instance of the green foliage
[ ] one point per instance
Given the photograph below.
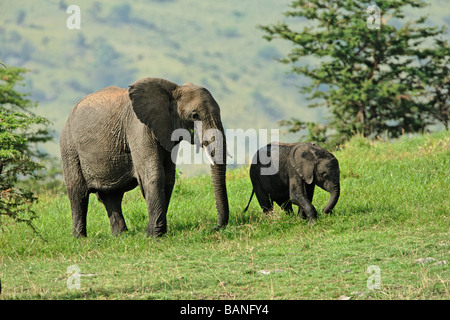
(382, 81)
(316, 131)
(20, 130)
(392, 213)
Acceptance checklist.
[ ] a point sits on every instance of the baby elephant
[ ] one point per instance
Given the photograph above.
(288, 172)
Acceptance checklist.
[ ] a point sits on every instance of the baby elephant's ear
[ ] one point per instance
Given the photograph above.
(303, 161)
(151, 98)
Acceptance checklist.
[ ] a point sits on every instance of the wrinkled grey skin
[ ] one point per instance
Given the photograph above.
(302, 166)
(116, 139)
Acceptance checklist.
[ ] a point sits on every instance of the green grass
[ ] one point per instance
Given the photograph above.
(394, 209)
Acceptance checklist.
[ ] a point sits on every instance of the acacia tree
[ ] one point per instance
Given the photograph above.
(379, 73)
(20, 131)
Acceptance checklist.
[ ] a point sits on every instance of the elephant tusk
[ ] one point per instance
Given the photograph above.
(229, 155)
(208, 155)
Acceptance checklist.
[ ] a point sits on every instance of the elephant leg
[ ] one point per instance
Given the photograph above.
(309, 194)
(79, 200)
(286, 206)
(77, 190)
(310, 191)
(263, 197)
(169, 170)
(301, 213)
(153, 189)
(299, 197)
(113, 204)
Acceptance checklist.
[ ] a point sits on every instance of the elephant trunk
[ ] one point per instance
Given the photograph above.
(217, 155)
(218, 176)
(334, 197)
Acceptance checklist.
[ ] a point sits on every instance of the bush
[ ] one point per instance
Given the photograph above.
(20, 130)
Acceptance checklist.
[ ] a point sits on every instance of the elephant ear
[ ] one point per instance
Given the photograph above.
(303, 161)
(150, 98)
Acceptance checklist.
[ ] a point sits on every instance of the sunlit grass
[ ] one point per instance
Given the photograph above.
(394, 210)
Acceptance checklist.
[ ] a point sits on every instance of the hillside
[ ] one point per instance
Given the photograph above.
(212, 43)
(387, 239)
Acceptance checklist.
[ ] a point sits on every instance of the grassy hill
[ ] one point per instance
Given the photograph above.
(392, 222)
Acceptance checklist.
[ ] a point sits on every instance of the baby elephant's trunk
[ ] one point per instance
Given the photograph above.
(334, 197)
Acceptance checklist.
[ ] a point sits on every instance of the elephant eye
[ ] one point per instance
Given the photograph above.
(195, 116)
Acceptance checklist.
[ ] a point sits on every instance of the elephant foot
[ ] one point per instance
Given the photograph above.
(118, 230)
(302, 214)
(156, 232)
(220, 227)
(288, 210)
(312, 216)
(117, 223)
(79, 234)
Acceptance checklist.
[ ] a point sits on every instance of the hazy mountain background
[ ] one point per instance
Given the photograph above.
(211, 43)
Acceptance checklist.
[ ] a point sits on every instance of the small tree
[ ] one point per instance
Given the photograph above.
(20, 130)
(375, 79)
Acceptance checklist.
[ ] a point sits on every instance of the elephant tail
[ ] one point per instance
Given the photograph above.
(246, 208)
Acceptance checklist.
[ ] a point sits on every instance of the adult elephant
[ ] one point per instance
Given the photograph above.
(116, 139)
